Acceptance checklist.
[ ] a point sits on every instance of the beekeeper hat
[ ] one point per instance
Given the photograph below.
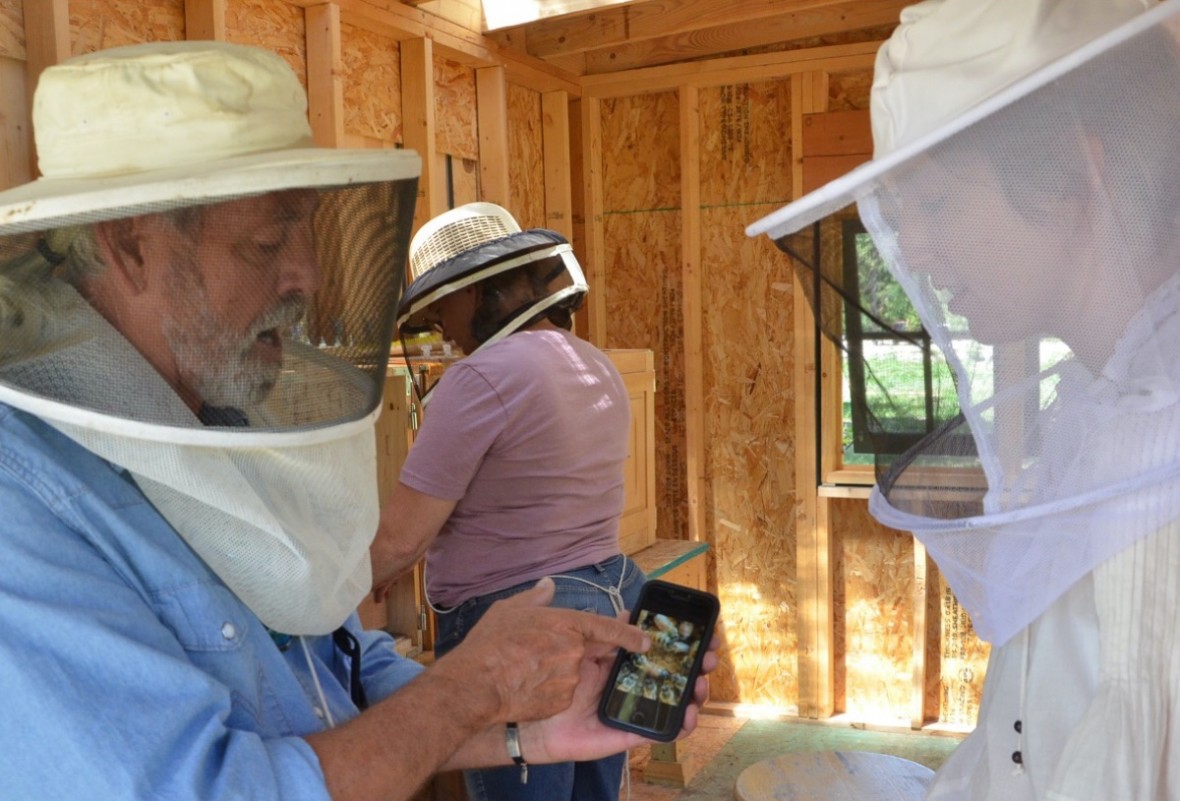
(468, 244)
(472, 243)
(951, 63)
(124, 130)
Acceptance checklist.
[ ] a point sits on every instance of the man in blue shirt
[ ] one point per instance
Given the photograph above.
(195, 314)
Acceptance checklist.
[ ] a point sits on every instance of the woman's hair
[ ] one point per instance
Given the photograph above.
(34, 296)
(505, 295)
(1137, 96)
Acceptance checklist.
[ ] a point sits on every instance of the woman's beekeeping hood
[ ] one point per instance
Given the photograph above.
(1022, 193)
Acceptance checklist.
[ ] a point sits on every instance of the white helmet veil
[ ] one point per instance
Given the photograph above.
(1038, 237)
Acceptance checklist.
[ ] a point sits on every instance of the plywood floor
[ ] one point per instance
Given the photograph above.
(723, 746)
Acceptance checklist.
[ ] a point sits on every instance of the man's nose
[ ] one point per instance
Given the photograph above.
(300, 271)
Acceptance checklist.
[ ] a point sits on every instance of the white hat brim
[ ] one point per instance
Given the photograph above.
(54, 202)
(858, 183)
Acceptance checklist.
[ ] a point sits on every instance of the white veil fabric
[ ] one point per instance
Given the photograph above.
(1037, 235)
(1037, 239)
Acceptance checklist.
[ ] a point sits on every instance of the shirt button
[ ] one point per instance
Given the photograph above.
(1017, 757)
(1018, 726)
(228, 631)
(319, 713)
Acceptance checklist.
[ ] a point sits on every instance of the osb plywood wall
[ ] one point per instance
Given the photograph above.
(454, 116)
(747, 327)
(874, 613)
(456, 121)
(526, 169)
(15, 139)
(101, 24)
(641, 224)
(12, 43)
(372, 80)
(749, 401)
(98, 24)
(747, 330)
(963, 661)
(272, 24)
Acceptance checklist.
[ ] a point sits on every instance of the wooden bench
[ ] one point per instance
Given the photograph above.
(678, 561)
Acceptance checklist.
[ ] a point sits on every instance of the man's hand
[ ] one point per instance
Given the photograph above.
(576, 733)
(525, 660)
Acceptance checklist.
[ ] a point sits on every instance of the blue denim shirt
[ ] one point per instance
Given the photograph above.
(127, 669)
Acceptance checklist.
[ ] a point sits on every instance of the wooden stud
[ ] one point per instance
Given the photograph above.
(737, 69)
(325, 89)
(15, 142)
(492, 121)
(204, 19)
(578, 199)
(418, 127)
(733, 37)
(593, 244)
(47, 42)
(400, 22)
(813, 559)
(613, 27)
(921, 624)
(815, 99)
(693, 308)
(555, 138)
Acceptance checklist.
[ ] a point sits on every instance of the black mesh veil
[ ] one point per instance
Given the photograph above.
(230, 354)
(277, 306)
(900, 390)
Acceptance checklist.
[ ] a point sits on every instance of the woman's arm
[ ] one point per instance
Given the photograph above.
(410, 520)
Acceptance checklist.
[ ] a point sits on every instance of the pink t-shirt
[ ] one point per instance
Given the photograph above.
(529, 435)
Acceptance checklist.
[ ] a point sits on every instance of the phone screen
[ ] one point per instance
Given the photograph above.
(648, 693)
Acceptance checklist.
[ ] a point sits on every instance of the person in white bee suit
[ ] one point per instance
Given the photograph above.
(196, 310)
(1025, 193)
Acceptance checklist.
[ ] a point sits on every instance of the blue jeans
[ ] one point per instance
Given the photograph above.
(598, 780)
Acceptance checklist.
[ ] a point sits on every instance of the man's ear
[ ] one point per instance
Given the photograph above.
(121, 246)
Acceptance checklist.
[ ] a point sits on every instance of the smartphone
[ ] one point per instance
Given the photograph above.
(648, 693)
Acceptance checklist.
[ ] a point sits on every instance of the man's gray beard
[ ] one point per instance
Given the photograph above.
(213, 361)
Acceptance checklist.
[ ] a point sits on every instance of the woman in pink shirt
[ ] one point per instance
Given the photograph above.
(517, 470)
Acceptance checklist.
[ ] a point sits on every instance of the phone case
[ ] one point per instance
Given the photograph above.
(648, 693)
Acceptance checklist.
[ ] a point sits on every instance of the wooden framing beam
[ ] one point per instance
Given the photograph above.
(467, 13)
(15, 141)
(204, 19)
(325, 90)
(654, 20)
(922, 572)
(491, 100)
(555, 146)
(400, 22)
(47, 42)
(578, 201)
(736, 36)
(693, 308)
(815, 626)
(593, 243)
(418, 129)
(736, 69)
